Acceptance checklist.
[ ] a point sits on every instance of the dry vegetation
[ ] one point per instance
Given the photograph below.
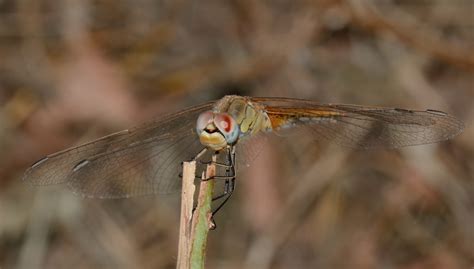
(73, 70)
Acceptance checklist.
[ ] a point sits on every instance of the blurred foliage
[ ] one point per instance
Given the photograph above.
(73, 70)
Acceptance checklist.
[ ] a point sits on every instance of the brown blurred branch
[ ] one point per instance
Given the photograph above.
(302, 200)
(368, 16)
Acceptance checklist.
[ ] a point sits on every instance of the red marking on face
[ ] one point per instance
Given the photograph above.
(224, 122)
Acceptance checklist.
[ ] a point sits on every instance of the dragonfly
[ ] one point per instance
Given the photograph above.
(146, 159)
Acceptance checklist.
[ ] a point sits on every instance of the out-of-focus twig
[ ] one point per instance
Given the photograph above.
(429, 41)
(302, 199)
(33, 251)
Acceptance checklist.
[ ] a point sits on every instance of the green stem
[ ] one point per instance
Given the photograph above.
(202, 221)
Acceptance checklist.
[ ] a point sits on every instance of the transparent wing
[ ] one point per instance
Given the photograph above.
(144, 160)
(248, 149)
(360, 126)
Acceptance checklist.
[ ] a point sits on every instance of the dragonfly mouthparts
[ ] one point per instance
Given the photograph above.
(211, 128)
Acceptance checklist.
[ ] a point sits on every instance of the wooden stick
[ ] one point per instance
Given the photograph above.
(187, 201)
(195, 227)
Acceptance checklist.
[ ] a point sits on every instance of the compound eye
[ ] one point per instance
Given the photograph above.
(227, 126)
(203, 120)
(224, 122)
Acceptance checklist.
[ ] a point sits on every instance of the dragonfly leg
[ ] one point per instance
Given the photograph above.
(197, 177)
(225, 196)
(220, 196)
(226, 165)
(216, 163)
(229, 165)
(195, 158)
(229, 177)
(226, 191)
(229, 185)
(199, 155)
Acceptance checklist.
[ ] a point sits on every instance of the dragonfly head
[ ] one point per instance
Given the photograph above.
(217, 130)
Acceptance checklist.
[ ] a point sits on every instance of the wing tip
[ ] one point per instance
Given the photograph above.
(39, 175)
(27, 175)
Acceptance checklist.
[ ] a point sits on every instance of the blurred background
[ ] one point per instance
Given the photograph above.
(74, 70)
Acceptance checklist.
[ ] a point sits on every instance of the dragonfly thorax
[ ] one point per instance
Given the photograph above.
(217, 130)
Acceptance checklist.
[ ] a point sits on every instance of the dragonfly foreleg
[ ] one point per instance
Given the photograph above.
(215, 163)
(229, 177)
(229, 186)
(229, 165)
(199, 155)
(226, 191)
(227, 194)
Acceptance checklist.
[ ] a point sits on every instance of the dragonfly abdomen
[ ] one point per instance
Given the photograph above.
(283, 118)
